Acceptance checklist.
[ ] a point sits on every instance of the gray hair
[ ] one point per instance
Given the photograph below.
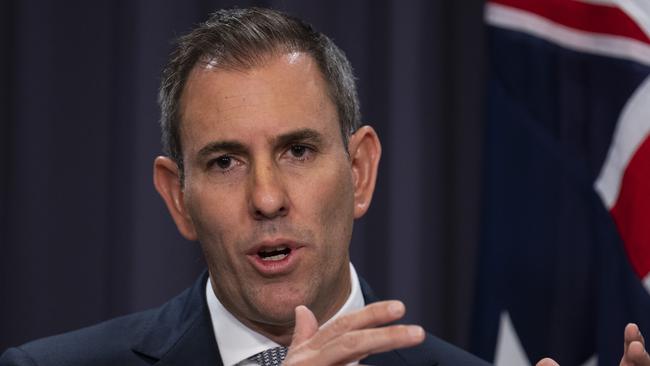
(245, 38)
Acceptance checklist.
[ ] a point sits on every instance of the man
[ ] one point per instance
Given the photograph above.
(267, 166)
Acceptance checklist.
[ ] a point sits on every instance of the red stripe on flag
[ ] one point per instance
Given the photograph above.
(632, 210)
(583, 16)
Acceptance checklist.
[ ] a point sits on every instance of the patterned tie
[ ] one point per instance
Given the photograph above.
(271, 357)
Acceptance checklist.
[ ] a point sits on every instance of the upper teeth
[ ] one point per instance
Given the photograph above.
(268, 250)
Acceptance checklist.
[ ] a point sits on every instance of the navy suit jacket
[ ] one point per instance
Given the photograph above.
(180, 333)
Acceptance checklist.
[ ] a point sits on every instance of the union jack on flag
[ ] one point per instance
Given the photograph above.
(565, 253)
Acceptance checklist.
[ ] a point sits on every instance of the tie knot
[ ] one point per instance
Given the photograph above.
(270, 357)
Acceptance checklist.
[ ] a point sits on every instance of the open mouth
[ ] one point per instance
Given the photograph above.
(276, 257)
(274, 254)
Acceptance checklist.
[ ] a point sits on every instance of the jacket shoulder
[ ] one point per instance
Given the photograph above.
(432, 352)
(444, 354)
(107, 343)
(131, 340)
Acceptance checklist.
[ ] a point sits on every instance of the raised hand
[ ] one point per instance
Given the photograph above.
(634, 352)
(351, 337)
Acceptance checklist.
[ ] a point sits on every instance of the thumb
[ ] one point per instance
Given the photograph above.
(547, 362)
(306, 325)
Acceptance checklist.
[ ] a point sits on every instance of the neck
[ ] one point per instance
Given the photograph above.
(327, 303)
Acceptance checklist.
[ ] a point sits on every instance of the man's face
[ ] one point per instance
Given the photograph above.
(268, 188)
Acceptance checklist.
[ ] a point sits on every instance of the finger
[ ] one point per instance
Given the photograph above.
(631, 334)
(355, 345)
(634, 352)
(547, 362)
(370, 316)
(636, 355)
(306, 325)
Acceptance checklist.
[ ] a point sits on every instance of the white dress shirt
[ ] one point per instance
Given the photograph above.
(237, 342)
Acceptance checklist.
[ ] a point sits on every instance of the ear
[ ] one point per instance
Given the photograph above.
(166, 178)
(365, 150)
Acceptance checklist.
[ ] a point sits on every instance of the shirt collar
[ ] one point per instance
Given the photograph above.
(237, 342)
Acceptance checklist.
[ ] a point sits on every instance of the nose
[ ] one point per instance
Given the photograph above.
(268, 196)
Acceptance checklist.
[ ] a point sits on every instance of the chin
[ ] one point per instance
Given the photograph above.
(277, 307)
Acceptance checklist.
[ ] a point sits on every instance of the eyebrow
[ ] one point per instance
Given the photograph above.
(305, 134)
(213, 147)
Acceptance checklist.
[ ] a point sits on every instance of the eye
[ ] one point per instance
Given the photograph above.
(298, 151)
(223, 162)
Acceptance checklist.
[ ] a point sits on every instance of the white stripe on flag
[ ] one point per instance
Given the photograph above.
(509, 351)
(596, 43)
(631, 130)
(599, 2)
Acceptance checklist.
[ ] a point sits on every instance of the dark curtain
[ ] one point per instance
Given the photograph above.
(84, 236)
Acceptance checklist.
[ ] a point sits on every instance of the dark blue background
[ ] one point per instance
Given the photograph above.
(83, 234)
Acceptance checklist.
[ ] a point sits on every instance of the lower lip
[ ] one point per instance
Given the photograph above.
(276, 268)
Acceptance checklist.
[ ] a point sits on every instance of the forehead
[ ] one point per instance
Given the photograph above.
(286, 92)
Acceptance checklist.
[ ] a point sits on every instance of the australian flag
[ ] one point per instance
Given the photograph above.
(565, 254)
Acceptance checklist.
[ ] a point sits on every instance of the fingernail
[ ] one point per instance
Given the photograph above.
(396, 308)
(416, 331)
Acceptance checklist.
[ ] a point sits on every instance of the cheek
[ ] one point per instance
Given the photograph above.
(215, 227)
(212, 215)
(336, 205)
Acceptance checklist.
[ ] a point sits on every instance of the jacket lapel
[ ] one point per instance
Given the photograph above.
(180, 332)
